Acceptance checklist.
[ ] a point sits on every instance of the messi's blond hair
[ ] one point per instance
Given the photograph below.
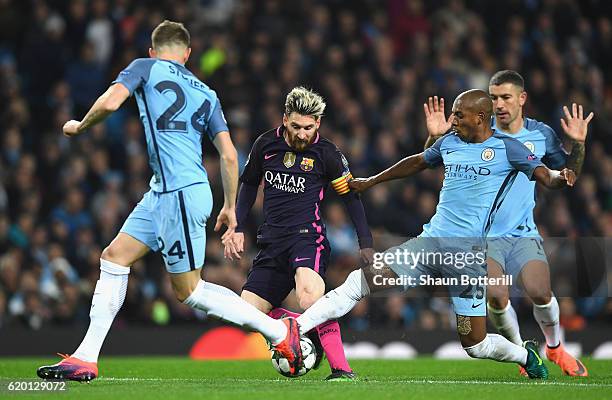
(304, 101)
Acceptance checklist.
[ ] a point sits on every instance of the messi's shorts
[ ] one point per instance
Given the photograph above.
(447, 258)
(174, 224)
(272, 275)
(514, 253)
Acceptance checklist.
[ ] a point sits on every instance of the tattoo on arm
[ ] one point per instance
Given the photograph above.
(464, 325)
(93, 117)
(576, 158)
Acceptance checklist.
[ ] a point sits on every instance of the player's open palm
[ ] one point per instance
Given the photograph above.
(575, 125)
(437, 123)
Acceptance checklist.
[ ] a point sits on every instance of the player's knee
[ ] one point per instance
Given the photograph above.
(259, 303)
(306, 302)
(307, 298)
(182, 294)
(498, 300)
(542, 298)
(183, 290)
(539, 294)
(112, 254)
(480, 349)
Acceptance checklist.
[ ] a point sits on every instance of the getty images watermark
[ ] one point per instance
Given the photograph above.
(436, 268)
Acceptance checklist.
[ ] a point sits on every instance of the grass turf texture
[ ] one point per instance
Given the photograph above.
(139, 378)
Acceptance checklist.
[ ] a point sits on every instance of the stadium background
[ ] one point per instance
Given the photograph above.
(375, 62)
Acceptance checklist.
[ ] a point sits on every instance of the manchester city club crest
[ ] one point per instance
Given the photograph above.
(530, 146)
(487, 154)
(289, 159)
(307, 164)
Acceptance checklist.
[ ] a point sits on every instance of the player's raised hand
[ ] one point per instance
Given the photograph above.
(575, 125)
(226, 217)
(437, 124)
(568, 176)
(361, 184)
(71, 128)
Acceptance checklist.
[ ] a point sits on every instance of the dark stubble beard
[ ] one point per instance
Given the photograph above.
(297, 144)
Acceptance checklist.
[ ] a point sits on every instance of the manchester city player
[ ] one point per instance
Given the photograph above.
(176, 109)
(515, 245)
(480, 166)
(296, 165)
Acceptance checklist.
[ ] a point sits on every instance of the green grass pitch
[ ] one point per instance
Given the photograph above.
(144, 378)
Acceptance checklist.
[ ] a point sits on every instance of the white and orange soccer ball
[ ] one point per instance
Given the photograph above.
(309, 353)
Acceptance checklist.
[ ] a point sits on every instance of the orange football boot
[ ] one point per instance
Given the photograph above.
(568, 364)
(70, 368)
(290, 348)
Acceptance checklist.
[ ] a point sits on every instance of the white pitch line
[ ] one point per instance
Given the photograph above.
(365, 380)
(407, 381)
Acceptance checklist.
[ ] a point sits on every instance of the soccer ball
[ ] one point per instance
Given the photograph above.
(309, 353)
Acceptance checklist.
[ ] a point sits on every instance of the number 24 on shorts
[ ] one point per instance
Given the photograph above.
(176, 250)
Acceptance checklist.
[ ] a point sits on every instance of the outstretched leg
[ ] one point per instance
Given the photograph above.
(478, 344)
(108, 298)
(341, 300)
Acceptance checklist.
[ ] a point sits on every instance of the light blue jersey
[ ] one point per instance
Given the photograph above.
(477, 180)
(176, 108)
(515, 216)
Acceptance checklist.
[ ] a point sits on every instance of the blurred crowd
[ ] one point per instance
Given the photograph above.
(375, 62)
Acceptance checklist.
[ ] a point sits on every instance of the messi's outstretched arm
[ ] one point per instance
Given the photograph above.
(402, 169)
(105, 105)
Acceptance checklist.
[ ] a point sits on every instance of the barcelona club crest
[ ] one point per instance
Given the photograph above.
(289, 159)
(307, 164)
